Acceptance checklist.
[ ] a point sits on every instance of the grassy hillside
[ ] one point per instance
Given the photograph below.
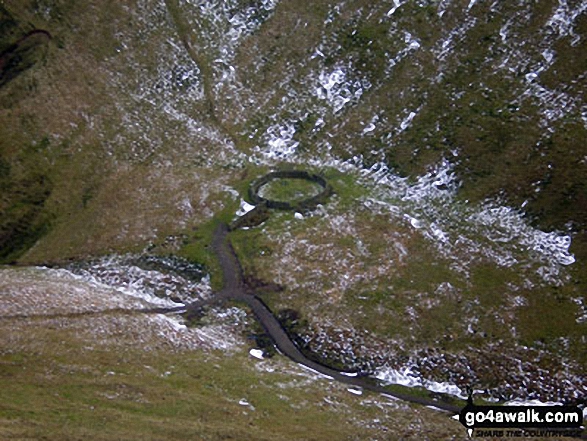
(126, 376)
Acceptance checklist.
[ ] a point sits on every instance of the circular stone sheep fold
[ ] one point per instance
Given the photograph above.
(305, 204)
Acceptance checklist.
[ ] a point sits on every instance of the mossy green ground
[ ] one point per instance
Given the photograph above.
(289, 190)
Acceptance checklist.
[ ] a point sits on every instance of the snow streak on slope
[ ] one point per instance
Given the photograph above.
(279, 141)
(223, 26)
(34, 291)
(160, 113)
(159, 280)
(406, 377)
(101, 308)
(229, 24)
(337, 90)
(465, 232)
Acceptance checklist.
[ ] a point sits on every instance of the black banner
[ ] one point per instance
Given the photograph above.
(521, 417)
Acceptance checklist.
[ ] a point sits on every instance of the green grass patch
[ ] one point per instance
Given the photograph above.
(548, 318)
(289, 190)
(345, 186)
(198, 248)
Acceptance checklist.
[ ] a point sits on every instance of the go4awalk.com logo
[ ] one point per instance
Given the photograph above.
(521, 421)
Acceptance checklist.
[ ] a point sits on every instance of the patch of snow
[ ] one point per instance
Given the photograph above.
(320, 374)
(442, 5)
(175, 322)
(564, 17)
(582, 314)
(413, 44)
(244, 208)
(486, 230)
(413, 221)
(531, 76)
(447, 44)
(407, 121)
(371, 126)
(257, 353)
(279, 141)
(46, 292)
(126, 274)
(186, 208)
(503, 31)
(548, 55)
(554, 104)
(337, 89)
(518, 402)
(231, 24)
(38, 291)
(409, 378)
(519, 301)
(396, 6)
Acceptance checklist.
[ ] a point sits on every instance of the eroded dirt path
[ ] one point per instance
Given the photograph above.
(234, 288)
